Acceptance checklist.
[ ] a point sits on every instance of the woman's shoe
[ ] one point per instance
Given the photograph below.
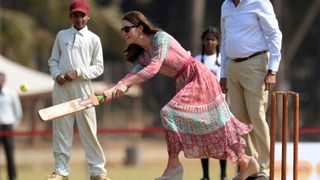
(175, 175)
(253, 168)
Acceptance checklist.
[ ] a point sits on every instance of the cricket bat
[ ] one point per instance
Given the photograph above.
(69, 107)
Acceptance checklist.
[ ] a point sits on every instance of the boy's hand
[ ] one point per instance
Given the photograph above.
(71, 75)
(60, 79)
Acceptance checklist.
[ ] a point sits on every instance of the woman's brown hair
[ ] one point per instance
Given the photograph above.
(133, 51)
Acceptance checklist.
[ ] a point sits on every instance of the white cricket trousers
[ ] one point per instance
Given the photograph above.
(87, 127)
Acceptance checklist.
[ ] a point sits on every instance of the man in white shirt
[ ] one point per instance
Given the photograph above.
(250, 58)
(10, 116)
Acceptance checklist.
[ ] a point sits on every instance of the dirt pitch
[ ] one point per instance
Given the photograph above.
(35, 163)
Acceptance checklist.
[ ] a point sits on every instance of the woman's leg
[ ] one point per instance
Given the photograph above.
(243, 164)
(248, 167)
(173, 163)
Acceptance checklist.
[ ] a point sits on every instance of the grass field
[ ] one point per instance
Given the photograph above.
(37, 162)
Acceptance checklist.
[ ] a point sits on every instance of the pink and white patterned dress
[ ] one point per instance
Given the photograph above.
(197, 119)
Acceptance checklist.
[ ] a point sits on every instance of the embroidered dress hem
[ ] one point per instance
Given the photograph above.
(198, 120)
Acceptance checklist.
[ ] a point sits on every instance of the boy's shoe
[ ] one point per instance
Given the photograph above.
(99, 177)
(55, 176)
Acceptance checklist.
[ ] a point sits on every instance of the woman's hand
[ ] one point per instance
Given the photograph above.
(119, 89)
(108, 94)
(121, 86)
(115, 91)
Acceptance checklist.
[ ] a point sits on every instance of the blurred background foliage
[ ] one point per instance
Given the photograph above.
(28, 29)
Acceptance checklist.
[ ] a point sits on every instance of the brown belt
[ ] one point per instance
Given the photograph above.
(249, 57)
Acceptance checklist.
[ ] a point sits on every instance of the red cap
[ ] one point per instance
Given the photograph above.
(80, 6)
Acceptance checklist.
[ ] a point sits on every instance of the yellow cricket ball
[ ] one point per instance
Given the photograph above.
(24, 87)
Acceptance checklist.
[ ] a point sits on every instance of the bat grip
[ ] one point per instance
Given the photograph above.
(101, 97)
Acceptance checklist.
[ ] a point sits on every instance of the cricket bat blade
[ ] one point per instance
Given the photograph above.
(69, 107)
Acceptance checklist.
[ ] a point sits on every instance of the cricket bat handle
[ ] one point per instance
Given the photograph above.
(101, 97)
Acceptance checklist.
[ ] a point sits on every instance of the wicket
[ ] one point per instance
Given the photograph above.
(285, 97)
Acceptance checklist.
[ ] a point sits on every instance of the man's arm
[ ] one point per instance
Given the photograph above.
(270, 28)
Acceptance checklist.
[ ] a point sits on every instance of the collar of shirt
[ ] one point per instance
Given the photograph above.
(230, 2)
(82, 31)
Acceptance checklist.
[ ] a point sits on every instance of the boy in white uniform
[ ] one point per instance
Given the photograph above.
(76, 59)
